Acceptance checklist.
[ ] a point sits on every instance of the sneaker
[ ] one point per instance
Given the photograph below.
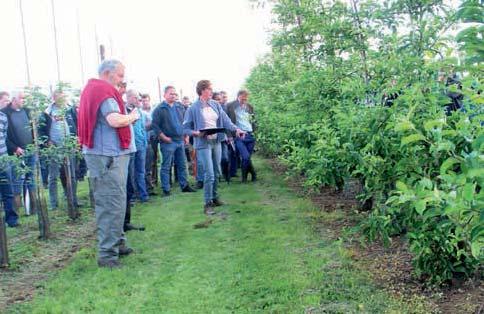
(14, 225)
(188, 189)
(109, 264)
(216, 202)
(208, 209)
(165, 193)
(199, 185)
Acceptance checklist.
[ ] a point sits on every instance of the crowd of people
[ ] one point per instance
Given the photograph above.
(128, 149)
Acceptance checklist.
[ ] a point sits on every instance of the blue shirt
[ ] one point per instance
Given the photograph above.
(140, 131)
(243, 119)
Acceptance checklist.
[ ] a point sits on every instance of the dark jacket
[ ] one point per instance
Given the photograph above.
(162, 123)
(231, 106)
(12, 136)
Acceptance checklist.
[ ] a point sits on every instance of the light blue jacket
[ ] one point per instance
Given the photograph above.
(194, 121)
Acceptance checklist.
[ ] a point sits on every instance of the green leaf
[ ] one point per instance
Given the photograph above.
(433, 123)
(404, 126)
(445, 146)
(420, 206)
(477, 231)
(476, 249)
(475, 173)
(468, 192)
(412, 138)
(401, 186)
(449, 162)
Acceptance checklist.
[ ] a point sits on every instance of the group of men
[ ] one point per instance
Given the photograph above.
(123, 140)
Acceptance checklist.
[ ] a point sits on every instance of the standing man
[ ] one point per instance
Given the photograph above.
(53, 131)
(206, 113)
(242, 115)
(152, 148)
(19, 137)
(139, 127)
(6, 194)
(167, 125)
(105, 133)
(186, 102)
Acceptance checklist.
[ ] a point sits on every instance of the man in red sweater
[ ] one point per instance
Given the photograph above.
(106, 135)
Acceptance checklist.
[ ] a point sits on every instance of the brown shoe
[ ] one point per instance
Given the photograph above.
(216, 202)
(208, 209)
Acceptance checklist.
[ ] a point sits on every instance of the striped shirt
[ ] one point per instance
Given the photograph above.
(3, 133)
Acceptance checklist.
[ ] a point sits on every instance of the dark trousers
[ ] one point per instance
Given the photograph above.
(151, 165)
(233, 160)
(6, 195)
(130, 189)
(245, 147)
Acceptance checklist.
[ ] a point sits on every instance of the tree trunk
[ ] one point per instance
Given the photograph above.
(38, 199)
(71, 207)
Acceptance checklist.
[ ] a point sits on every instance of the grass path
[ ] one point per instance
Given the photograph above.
(260, 255)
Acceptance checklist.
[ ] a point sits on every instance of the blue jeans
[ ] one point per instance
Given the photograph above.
(19, 180)
(139, 173)
(6, 194)
(245, 147)
(210, 159)
(200, 173)
(225, 151)
(173, 152)
(57, 169)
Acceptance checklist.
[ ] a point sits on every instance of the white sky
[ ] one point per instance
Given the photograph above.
(181, 41)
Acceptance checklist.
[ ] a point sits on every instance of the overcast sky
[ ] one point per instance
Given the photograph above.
(181, 41)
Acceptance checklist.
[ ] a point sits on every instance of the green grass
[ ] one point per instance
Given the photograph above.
(263, 257)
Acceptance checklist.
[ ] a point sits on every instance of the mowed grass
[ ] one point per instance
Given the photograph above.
(260, 255)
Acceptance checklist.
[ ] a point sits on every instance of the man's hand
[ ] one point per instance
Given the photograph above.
(186, 140)
(165, 139)
(134, 115)
(19, 151)
(240, 133)
(198, 134)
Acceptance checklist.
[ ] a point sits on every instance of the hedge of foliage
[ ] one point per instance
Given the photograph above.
(371, 90)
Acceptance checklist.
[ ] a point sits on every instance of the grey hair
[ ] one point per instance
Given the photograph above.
(132, 92)
(108, 66)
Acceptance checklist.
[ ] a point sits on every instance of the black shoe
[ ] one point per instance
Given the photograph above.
(152, 193)
(125, 251)
(208, 209)
(252, 172)
(244, 176)
(216, 202)
(199, 185)
(165, 193)
(129, 227)
(109, 263)
(188, 189)
(15, 225)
